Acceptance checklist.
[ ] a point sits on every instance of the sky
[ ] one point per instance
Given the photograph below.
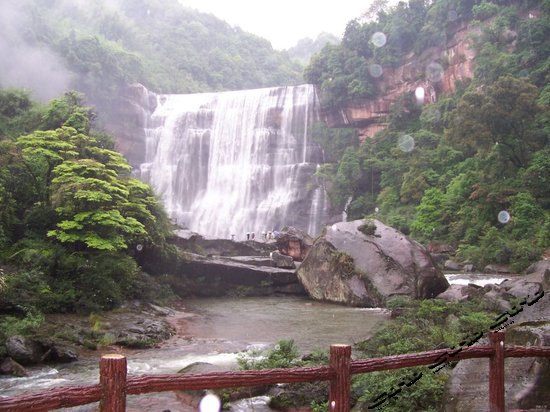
(284, 22)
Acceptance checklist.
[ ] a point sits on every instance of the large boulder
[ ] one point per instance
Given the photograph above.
(362, 264)
(60, 354)
(23, 350)
(458, 293)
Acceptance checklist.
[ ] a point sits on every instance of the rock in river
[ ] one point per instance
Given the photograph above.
(363, 264)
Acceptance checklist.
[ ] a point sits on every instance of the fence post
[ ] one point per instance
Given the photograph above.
(112, 379)
(496, 373)
(340, 385)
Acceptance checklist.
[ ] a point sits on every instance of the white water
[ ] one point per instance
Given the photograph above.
(216, 330)
(235, 162)
(345, 211)
(319, 205)
(478, 279)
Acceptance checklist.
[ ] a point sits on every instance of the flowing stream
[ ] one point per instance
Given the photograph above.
(215, 331)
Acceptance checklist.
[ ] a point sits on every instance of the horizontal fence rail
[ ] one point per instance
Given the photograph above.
(114, 385)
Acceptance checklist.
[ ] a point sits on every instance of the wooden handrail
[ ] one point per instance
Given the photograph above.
(114, 385)
(219, 380)
(496, 372)
(416, 359)
(112, 379)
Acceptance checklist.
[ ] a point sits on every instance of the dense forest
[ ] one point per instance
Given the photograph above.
(471, 170)
(101, 46)
(73, 221)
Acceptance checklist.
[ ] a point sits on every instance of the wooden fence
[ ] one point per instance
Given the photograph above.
(114, 385)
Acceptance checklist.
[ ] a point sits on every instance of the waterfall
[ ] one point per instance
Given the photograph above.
(345, 211)
(235, 162)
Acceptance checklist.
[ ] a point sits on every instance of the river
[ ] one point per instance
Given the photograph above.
(215, 331)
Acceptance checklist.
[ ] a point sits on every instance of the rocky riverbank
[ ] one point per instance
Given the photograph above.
(67, 337)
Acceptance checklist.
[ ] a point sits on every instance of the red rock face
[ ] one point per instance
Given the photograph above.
(456, 60)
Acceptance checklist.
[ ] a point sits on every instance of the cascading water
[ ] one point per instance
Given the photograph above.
(345, 211)
(236, 162)
(319, 206)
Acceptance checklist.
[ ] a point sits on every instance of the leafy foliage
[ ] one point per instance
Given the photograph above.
(473, 154)
(159, 43)
(425, 325)
(353, 69)
(283, 355)
(11, 325)
(70, 209)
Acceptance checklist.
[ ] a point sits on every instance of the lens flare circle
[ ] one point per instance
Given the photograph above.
(378, 39)
(376, 70)
(210, 403)
(503, 216)
(405, 143)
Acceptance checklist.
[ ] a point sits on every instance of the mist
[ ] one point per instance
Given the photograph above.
(35, 68)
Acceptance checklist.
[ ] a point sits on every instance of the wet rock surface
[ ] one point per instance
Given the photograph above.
(526, 379)
(10, 367)
(293, 242)
(349, 266)
(24, 350)
(282, 261)
(195, 243)
(224, 267)
(63, 337)
(220, 276)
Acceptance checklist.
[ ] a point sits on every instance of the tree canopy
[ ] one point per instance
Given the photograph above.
(448, 171)
(159, 43)
(68, 203)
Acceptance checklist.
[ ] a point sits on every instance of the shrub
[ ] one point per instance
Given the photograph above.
(484, 10)
(343, 264)
(283, 355)
(11, 325)
(368, 228)
(424, 325)
(34, 290)
(105, 280)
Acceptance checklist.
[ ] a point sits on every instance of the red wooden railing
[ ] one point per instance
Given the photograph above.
(114, 385)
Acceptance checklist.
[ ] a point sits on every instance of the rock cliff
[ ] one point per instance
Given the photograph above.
(127, 120)
(436, 70)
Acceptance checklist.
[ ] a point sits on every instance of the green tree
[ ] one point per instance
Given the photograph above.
(18, 113)
(500, 118)
(88, 195)
(536, 177)
(430, 215)
(68, 111)
(42, 152)
(527, 216)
